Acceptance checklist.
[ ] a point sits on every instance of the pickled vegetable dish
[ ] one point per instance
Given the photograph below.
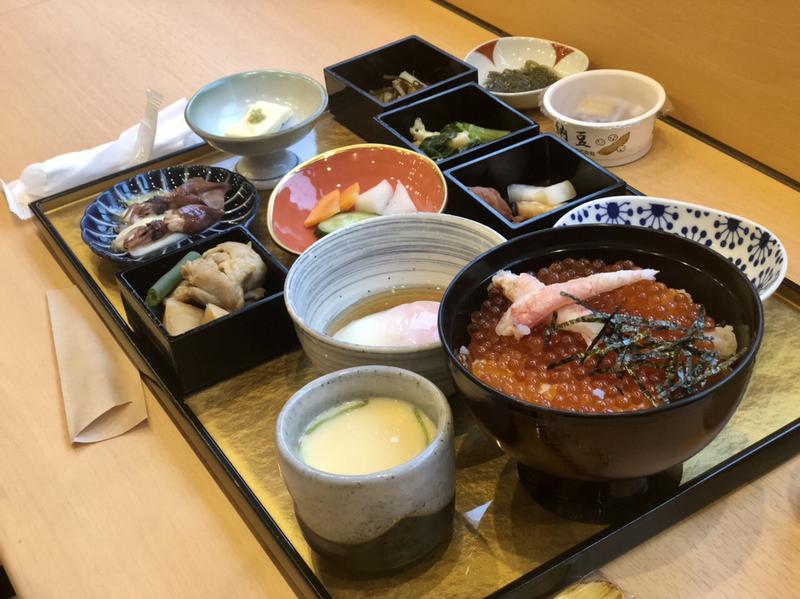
(526, 201)
(399, 85)
(531, 76)
(586, 336)
(340, 208)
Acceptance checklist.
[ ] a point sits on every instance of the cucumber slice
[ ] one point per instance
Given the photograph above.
(346, 409)
(343, 219)
(424, 428)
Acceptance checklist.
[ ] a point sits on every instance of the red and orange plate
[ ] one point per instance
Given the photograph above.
(366, 164)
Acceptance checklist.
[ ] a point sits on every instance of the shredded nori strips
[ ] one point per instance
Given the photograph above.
(687, 366)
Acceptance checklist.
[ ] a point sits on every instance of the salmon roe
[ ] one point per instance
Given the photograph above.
(519, 367)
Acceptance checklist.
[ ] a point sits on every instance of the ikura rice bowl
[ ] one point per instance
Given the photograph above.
(586, 336)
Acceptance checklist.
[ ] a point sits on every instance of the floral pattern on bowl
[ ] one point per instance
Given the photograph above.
(757, 252)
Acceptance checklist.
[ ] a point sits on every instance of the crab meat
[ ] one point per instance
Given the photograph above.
(535, 306)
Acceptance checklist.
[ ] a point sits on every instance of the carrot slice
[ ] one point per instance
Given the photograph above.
(327, 207)
(349, 197)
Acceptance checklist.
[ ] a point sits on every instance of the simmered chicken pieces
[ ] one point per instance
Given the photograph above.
(226, 276)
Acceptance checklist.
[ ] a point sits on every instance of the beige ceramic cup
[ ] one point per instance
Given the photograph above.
(377, 521)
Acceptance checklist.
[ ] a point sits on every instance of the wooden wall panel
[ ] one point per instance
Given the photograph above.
(731, 69)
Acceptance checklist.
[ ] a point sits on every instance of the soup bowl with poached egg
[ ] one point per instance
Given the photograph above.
(369, 293)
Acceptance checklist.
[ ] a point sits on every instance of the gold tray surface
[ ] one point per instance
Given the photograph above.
(515, 533)
(500, 533)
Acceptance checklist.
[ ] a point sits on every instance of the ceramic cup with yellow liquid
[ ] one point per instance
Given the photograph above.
(339, 439)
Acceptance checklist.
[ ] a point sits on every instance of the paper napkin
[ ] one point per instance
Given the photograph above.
(69, 170)
(101, 389)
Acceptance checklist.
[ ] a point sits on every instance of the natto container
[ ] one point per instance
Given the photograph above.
(614, 142)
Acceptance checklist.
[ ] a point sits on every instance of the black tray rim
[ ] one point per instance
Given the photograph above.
(147, 360)
(592, 553)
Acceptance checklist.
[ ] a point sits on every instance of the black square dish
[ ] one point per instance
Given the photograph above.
(349, 82)
(632, 191)
(215, 350)
(468, 103)
(543, 160)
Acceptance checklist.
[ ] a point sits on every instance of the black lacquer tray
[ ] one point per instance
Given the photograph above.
(504, 543)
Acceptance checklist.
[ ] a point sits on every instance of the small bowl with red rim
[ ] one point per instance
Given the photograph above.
(512, 52)
(302, 188)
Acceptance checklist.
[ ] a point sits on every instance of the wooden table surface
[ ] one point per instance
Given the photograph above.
(139, 515)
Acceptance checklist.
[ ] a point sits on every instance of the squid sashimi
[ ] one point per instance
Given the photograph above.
(414, 323)
(195, 191)
(535, 306)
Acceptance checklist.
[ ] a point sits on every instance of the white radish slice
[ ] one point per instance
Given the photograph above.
(552, 195)
(526, 193)
(374, 200)
(157, 244)
(401, 202)
(559, 193)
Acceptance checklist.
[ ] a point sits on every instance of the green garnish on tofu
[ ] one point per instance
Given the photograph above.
(256, 115)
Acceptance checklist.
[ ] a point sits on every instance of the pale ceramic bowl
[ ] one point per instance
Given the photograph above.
(512, 52)
(754, 249)
(375, 521)
(374, 257)
(225, 101)
(608, 143)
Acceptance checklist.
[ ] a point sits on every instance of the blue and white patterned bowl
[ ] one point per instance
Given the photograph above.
(100, 223)
(757, 252)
